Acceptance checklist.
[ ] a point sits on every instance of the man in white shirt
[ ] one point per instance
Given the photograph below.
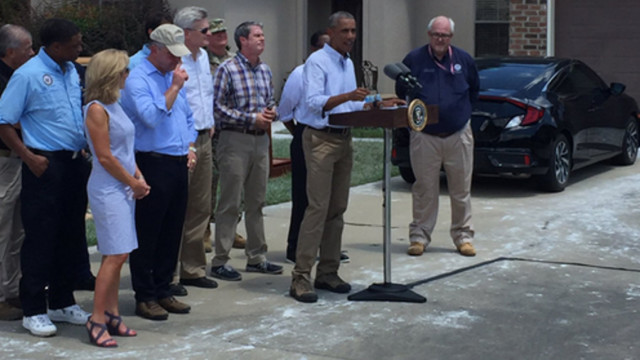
(199, 89)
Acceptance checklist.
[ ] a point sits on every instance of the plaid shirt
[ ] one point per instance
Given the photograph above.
(240, 91)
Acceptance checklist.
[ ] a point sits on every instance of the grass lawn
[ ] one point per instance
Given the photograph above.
(367, 167)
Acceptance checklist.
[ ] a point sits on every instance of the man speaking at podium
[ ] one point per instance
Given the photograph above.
(449, 79)
(329, 84)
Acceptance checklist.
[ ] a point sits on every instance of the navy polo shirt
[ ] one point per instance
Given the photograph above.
(453, 87)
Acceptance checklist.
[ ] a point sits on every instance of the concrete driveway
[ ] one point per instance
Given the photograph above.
(557, 276)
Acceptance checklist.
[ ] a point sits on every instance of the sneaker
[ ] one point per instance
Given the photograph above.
(239, 242)
(264, 267)
(302, 291)
(416, 248)
(39, 325)
(151, 310)
(71, 314)
(291, 261)
(178, 290)
(344, 258)
(333, 283)
(225, 272)
(174, 306)
(466, 249)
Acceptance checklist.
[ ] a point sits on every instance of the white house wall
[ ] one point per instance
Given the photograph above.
(391, 28)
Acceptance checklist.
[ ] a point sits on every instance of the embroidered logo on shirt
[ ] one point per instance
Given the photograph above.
(457, 67)
(47, 79)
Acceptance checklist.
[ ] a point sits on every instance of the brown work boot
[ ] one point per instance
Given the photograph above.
(333, 283)
(174, 306)
(151, 310)
(416, 248)
(239, 242)
(301, 290)
(466, 249)
(15, 302)
(9, 312)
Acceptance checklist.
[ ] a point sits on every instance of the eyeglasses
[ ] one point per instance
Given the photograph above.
(440, 35)
(202, 31)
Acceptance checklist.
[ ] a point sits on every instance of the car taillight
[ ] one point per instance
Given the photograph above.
(533, 115)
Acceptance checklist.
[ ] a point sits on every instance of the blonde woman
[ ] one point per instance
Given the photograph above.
(114, 186)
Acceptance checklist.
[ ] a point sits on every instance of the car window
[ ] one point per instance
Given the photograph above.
(579, 80)
(506, 76)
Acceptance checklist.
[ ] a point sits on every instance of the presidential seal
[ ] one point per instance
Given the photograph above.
(417, 115)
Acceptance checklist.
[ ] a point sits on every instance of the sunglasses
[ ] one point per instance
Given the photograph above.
(202, 31)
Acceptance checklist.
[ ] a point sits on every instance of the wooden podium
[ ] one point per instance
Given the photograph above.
(386, 119)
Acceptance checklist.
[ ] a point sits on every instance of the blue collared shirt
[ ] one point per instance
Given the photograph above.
(158, 129)
(326, 73)
(137, 58)
(240, 91)
(46, 102)
(292, 95)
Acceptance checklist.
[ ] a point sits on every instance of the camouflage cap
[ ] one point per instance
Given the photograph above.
(217, 25)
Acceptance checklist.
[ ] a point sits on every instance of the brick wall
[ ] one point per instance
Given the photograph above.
(528, 28)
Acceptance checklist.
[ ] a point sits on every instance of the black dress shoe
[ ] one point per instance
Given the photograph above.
(202, 282)
(178, 290)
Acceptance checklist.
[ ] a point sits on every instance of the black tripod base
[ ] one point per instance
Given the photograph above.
(388, 292)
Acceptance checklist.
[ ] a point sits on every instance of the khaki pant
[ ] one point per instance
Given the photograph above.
(243, 160)
(11, 231)
(329, 158)
(192, 262)
(428, 154)
(215, 176)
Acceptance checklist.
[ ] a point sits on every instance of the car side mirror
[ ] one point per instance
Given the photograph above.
(617, 88)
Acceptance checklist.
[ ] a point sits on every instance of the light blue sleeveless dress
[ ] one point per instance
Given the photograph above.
(111, 202)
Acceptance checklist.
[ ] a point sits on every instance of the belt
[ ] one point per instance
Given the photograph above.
(59, 154)
(245, 131)
(204, 131)
(332, 130)
(5, 153)
(181, 158)
(442, 135)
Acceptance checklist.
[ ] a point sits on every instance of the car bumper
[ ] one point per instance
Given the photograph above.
(507, 161)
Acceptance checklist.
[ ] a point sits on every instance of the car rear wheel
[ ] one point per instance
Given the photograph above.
(407, 174)
(557, 176)
(629, 145)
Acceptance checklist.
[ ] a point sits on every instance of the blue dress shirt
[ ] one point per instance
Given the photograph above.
(137, 58)
(292, 95)
(46, 102)
(326, 73)
(158, 129)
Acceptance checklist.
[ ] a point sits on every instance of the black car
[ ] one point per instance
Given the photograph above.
(543, 117)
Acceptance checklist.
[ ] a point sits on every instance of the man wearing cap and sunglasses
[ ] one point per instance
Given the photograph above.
(154, 100)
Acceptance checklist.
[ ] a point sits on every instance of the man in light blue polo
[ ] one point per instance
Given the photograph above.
(43, 96)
